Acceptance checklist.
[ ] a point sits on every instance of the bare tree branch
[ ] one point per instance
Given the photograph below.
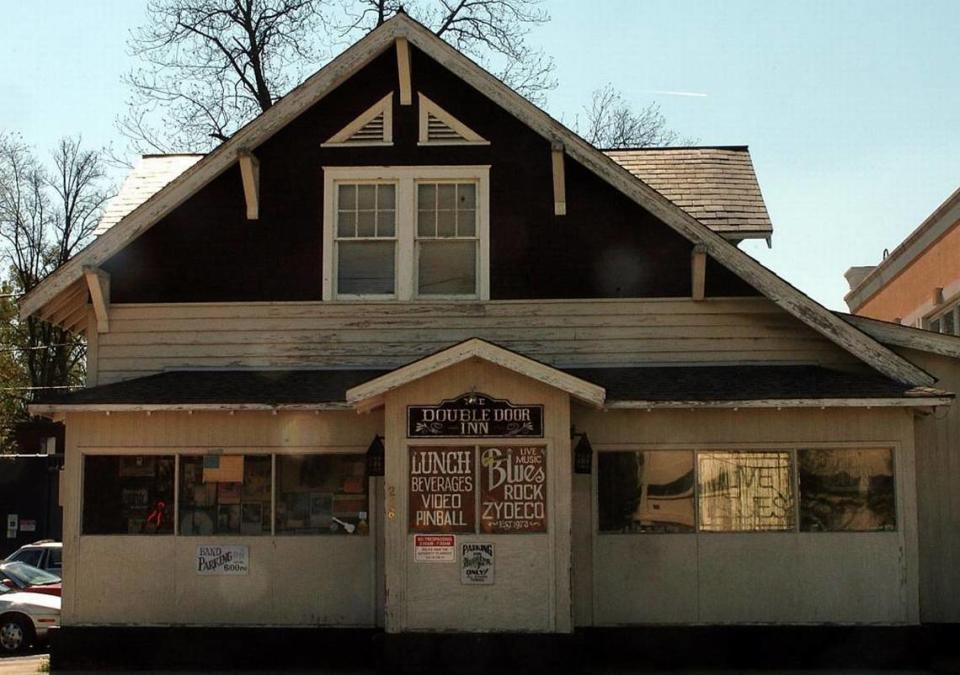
(611, 122)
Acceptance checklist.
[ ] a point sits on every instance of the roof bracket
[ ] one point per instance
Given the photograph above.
(559, 181)
(698, 272)
(403, 71)
(250, 174)
(98, 283)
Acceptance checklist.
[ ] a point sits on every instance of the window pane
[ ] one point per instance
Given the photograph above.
(934, 325)
(846, 490)
(367, 224)
(426, 196)
(386, 226)
(386, 197)
(346, 224)
(426, 223)
(745, 491)
(347, 199)
(948, 323)
(322, 494)
(447, 268)
(466, 223)
(210, 506)
(646, 491)
(365, 268)
(31, 556)
(446, 223)
(467, 196)
(128, 494)
(366, 197)
(446, 196)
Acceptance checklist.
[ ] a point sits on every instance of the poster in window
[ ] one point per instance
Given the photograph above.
(228, 518)
(136, 467)
(513, 489)
(847, 490)
(442, 489)
(251, 518)
(646, 491)
(745, 491)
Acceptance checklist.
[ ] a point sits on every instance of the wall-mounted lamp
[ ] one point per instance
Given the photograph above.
(582, 453)
(375, 455)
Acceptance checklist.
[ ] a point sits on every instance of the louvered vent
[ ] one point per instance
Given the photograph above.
(371, 131)
(438, 130)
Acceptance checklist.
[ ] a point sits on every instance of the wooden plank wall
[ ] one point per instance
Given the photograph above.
(149, 338)
(938, 495)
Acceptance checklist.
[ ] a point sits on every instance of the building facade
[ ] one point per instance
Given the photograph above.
(407, 354)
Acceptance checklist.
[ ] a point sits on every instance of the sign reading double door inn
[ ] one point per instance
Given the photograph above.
(475, 416)
(512, 496)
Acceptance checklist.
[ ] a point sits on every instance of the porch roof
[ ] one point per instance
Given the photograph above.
(636, 387)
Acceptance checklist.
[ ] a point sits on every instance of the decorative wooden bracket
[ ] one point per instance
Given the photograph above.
(559, 181)
(698, 272)
(98, 283)
(250, 173)
(403, 70)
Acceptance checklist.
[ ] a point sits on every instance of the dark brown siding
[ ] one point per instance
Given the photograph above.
(606, 246)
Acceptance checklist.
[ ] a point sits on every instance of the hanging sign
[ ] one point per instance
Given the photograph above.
(474, 416)
(513, 489)
(442, 490)
(13, 520)
(434, 548)
(476, 564)
(222, 560)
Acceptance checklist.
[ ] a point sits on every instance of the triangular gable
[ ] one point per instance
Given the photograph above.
(374, 126)
(374, 43)
(370, 394)
(438, 127)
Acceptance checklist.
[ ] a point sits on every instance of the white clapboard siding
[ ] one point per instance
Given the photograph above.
(150, 338)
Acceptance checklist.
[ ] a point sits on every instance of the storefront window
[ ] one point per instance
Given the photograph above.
(646, 491)
(225, 494)
(128, 494)
(846, 490)
(745, 491)
(322, 494)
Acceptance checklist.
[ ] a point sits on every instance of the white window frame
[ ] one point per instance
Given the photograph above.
(405, 178)
(950, 307)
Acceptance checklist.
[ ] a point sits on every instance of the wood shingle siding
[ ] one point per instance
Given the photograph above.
(150, 338)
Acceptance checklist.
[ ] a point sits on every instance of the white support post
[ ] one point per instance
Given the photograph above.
(98, 283)
(698, 272)
(559, 181)
(250, 173)
(403, 71)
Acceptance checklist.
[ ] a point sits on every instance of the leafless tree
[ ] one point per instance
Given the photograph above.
(209, 66)
(611, 122)
(46, 216)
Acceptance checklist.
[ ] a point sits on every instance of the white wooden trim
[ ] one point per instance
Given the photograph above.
(907, 336)
(698, 273)
(372, 392)
(403, 71)
(382, 107)
(93, 351)
(250, 175)
(98, 283)
(356, 57)
(559, 181)
(907, 402)
(405, 178)
(467, 135)
(46, 408)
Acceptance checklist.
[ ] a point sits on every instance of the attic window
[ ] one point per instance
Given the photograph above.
(438, 127)
(372, 127)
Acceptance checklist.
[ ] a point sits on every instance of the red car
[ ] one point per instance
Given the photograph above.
(18, 576)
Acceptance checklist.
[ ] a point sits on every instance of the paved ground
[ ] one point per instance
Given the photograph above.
(21, 665)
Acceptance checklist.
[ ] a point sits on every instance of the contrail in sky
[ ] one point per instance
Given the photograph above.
(674, 93)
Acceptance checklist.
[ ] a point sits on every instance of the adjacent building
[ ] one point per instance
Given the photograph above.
(407, 354)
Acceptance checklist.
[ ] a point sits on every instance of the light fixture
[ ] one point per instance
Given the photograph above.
(375, 455)
(582, 453)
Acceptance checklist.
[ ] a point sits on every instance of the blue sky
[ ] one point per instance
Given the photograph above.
(851, 108)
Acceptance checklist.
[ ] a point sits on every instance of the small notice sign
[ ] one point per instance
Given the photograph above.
(28, 525)
(476, 564)
(434, 548)
(222, 560)
(13, 520)
(513, 489)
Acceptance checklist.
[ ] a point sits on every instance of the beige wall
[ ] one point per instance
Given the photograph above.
(146, 339)
(142, 580)
(755, 577)
(532, 587)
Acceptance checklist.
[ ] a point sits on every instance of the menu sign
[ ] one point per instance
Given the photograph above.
(513, 489)
(442, 490)
(474, 416)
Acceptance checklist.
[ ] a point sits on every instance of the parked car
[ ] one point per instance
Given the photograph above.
(19, 576)
(25, 618)
(45, 554)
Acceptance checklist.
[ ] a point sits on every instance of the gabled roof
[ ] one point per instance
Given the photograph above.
(370, 394)
(717, 186)
(373, 44)
(927, 233)
(890, 333)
